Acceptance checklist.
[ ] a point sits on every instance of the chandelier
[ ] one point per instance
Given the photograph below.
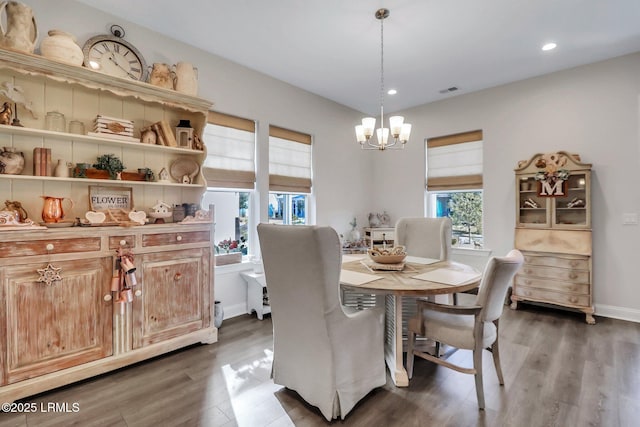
(397, 134)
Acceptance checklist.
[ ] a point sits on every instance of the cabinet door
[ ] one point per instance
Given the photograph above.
(531, 209)
(53, 327)
(571, 210)
(173, 299)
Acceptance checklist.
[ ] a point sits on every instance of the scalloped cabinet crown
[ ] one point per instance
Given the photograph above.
(60, 321)
(553, 231)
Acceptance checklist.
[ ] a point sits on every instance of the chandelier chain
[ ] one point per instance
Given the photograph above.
(382, 72)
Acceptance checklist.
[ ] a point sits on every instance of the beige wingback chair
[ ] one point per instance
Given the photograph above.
(468, 327)
(425, 237)
(329, 354)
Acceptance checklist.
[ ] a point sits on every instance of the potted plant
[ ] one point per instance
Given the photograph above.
(111, 164)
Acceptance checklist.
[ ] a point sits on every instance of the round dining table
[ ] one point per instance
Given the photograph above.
(419, 277)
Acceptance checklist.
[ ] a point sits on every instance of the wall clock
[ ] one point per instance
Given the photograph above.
(112, 55)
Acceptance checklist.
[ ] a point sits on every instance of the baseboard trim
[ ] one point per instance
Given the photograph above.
(234, 310)
(614, 312)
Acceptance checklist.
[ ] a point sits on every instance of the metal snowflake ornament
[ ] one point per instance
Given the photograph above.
(49, 274)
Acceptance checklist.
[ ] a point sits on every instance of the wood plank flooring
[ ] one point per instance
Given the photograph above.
(558, 371)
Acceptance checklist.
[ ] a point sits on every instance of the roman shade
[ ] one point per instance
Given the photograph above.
(454, 162)
(230, 142)
(289, 161)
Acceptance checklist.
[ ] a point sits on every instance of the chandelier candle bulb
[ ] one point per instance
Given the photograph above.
(395, 123)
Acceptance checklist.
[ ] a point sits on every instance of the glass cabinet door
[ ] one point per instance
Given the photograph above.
(571, 210)
(532, 209)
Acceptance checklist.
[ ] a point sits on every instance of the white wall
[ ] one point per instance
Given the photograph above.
(590, 110)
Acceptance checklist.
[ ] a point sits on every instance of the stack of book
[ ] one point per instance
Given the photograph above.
(42, 161)
(112, 127)
(164, 134)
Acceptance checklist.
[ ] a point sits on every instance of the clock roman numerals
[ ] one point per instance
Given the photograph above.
(114, 56)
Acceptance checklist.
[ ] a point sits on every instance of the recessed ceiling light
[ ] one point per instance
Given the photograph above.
(392, 92)
(549, 46)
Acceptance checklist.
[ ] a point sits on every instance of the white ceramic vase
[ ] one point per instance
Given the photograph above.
(62, 47)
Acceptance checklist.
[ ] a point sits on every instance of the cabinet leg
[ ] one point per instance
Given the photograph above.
(590, 320)
(514, 304)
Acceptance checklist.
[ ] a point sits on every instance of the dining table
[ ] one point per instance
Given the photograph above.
(415, 277)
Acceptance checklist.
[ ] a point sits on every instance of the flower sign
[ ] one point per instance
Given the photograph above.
(552, 178)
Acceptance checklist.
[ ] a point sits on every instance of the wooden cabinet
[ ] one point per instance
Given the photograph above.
(52, 335)
(174, 299)
(72, 328)
(54, 326)
(553, 231)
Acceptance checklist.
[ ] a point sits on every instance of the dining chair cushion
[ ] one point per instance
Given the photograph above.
(454, 329)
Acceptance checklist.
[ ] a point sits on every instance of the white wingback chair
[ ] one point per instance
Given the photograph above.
(425, 237)
(329, 354)
(468, 327)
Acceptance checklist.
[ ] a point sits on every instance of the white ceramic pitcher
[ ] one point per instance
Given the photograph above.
(21, 32)
(186, 78)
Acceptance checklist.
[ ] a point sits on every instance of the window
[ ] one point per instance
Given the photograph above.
(289, 176)
(287, 208)
(454, 184)
(230, 173)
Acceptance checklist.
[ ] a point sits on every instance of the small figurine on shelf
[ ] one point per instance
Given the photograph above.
(163, 175)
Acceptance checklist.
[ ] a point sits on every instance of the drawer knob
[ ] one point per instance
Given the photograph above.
(179, 238)
(49, 247)
(107, 297)
(123, 242)
(138, 293)
(177, 277)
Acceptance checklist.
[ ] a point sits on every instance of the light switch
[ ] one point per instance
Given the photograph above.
(630, 219)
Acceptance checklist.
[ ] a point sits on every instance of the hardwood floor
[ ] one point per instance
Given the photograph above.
(558, 371)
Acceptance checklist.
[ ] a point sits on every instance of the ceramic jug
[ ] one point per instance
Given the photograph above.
(21, 32)
(11, 161)
(161, 76)
(61, 46)
(52, 210)
(186, 80)
(62, 169)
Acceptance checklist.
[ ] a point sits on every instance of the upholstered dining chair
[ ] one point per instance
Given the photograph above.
(425, 237)
(331, 355)
(472, 327)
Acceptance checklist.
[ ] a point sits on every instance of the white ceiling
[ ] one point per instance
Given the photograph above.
(332, 47)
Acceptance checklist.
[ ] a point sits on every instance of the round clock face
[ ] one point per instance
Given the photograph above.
(114, 56)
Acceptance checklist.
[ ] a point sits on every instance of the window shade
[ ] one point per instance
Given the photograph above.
(454, 162)
(230, 143)
(289, 161)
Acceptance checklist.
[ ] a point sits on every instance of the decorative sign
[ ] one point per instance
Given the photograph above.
(552, 180)
(103, 198)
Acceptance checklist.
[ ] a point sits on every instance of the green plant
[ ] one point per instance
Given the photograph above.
(110, 163)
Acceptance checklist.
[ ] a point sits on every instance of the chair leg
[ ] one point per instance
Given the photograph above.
(477, 365)
(495, 352)
(410, 343)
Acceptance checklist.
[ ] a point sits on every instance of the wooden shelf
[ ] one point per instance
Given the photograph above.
(22, 131)
(98, 181)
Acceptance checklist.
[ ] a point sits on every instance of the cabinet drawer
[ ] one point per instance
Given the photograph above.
(567, 287)
(556, 261)
(116, 242)
(552, 297)
(576, 276)
(381, 235)
(58, 246)
(175, 238)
